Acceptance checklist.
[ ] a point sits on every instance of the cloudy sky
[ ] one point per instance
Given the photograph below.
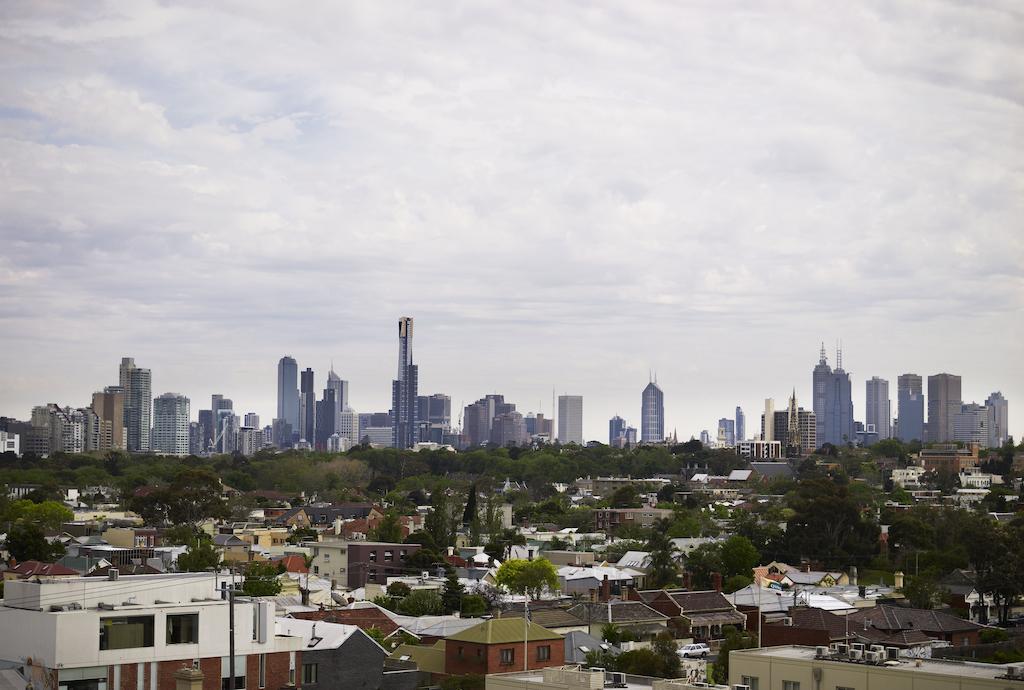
(564, 195)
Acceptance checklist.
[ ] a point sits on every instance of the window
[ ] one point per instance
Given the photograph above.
(462, 651)
(183, 628)
(126, 632)
(389, 556)
(225, 673)
(844, 687)
(544, 653)
(263, 671)
(373, 557)
(401, 554)
(309, 673)
(752, 681)
(508, 657)
(790, 685)
(316, 570)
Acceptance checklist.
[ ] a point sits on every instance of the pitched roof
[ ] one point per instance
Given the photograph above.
(40, 569)
(318, 635)
(819, 619)
(504, 631)
(619, 612)
(364, 618)
(552, 618)
(709, 600)
(578, 644)
(894, 618)
(126, 569)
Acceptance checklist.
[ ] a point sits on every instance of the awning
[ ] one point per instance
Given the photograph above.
(699, 620)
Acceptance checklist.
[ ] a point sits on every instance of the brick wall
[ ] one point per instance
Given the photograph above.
(277, 673)
(481, 658)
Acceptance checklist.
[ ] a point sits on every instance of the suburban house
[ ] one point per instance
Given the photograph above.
(579, 644)
(935, 624)
(636, 617)
(965, 596)
(498, 646)
(336, 657)
(326, 515)
(29, 569)
(700, 615)
(612, 581)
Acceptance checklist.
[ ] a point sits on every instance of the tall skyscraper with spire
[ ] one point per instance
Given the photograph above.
(833, 401)
(652, 414)
(404, 430)
(288, 391)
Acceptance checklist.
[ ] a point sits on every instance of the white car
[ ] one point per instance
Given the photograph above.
(697, 649)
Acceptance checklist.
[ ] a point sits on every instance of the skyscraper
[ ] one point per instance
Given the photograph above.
(944, 401)
(878, 408)
(340, 388)
(307, 407)
(767, 421)
(1000, 418)
(251, 420)
(287, 391)
(973, 424)
(741, 425)
(727, 432)
(570, 419)
(109, 407)
(404, 390)
(616, 430)
(910, 400)
(170, 424)
(137, 385)
(326, 419)
(652, 414)
(833, 401)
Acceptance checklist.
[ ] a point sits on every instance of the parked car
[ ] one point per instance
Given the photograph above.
(697, 649)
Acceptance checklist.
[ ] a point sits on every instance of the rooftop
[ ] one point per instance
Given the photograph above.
(964, 669)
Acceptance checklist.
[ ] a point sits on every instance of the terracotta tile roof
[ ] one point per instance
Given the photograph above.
(364, 618)
(40, 569)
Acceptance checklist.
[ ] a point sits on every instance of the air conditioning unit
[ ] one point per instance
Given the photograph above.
(113, 574)
(738, 686)
(873, 657)
(615, 680)
(821, 652)
(878, 648)
(892, 653)
(856, 654)
(858, 646)
(842, 649)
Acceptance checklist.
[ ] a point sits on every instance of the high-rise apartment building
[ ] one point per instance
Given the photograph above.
(973, 424)
(348, 425)
(137, 385)
(768, 429)
(109, 408)
(726, 433)
(910, 403)
(252, 420)
(570, 419)
(741, 425)
(1000, 419)
(404, 390)
(171, 424)
(652, 414)
(509, 429)
(833, 402)
(288, 391)
(616, 430)
(878, 408)
(944, 402)
(307, 407)
(434, 417)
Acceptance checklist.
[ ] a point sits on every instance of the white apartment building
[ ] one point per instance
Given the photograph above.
(170, 424)
(760, 450)
(10, 443)
(907, 477)
(570, 419)
(135, 632)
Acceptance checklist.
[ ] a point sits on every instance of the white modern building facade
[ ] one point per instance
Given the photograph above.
(570, 419)
(170, 424)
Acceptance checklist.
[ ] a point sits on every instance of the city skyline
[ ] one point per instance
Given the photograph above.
(529, 188)
(595, 424)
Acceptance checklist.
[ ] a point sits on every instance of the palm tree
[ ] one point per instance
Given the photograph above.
(663, 565)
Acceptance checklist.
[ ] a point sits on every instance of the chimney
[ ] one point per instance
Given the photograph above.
(593, 594)
(716, 581)
(687, 580)
(606, 589)
(853, 575)
(862, 591)
(898, 579)
(807, 567)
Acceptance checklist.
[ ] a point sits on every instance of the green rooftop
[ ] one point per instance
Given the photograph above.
(503, 631)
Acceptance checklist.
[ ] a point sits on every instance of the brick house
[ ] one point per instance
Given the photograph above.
(700, 615)
(497, 646)
(935, 624)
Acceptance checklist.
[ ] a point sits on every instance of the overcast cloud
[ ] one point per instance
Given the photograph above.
(563, 195)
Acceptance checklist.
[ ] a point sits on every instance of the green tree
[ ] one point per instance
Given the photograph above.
(389, 530)
(529, 578)
(399, 589)
(261, 580)
(663, 556)
(27, 542)
(611, 633)
(198, 558)
(451, 595)
(421, 602)
(49, 515)
(473, 606)
(734, 639)
(625, 497)
(738, 557)
(923, 592)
